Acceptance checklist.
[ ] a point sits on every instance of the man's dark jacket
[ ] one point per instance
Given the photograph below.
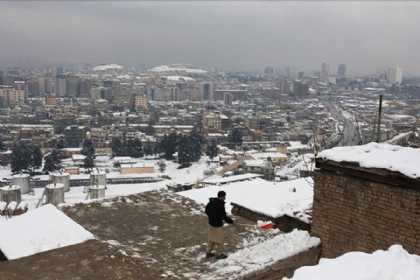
(215, 210)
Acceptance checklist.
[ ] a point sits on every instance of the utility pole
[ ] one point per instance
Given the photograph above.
(378, 132)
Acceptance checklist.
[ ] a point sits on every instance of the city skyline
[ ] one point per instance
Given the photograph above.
(229, 35)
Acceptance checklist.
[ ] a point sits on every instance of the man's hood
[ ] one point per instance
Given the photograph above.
(216, 200)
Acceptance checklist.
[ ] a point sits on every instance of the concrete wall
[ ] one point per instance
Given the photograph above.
(284, 223)
(286, 267)
(354, 213)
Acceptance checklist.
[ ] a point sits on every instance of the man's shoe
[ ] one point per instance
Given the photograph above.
(221, 256)
(209, 255)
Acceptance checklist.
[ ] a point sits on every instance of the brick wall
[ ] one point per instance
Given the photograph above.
(351, 213)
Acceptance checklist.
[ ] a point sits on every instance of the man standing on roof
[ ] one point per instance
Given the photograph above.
(216, 212)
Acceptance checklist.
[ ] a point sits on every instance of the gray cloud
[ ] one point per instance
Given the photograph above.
(232, 35)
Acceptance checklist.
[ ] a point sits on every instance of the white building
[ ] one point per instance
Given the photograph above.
(325, 71)
(394, 75)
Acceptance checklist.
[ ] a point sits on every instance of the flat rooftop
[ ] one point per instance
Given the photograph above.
(152, 235)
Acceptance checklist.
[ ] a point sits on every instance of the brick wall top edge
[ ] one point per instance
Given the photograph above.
(379, 175)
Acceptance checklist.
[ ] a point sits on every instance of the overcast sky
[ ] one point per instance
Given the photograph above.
(230, 35)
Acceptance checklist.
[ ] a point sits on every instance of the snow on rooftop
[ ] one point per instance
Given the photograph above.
(261, 255)
(40, 230)
(272, 155)
(274, 199)
(373, 155)
(55, 186)
(177, 68)
(78, 194)
(105, 67)
(255, 162)
(234, 178)
(10, 188)
(23, 175)
(392, 264)
(296, 145)
(180, 79)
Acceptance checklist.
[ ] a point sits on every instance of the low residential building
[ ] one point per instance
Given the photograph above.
(137, 168)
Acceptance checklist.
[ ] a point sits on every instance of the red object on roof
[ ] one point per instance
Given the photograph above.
(267, 226)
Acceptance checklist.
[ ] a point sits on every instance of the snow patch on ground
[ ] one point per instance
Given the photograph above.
(392, 264)
(189, 175)
(261, 255)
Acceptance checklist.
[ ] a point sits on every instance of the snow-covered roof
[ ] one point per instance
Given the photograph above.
(394, 263)
(78, 157)
(137, 164)
(296, 145)
(255, 163)
(55, 186)
(234, 178)
(373, 155)
(272, 155)
(40, 230)
(23, 175)
(180, 79)
(71, 149)
(123, 159)
(58, 174)
(105, 67)
(274, 199)
(124, 77)
(178, 68)
(10, 188)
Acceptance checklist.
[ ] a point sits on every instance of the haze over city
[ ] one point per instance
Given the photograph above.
(199, 140)
(229, 35)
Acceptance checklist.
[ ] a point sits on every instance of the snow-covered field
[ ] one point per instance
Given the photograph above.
(392, 264)
(274, 199)
(189, 175)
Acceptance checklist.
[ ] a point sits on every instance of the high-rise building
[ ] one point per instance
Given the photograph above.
(341, 71)
(72, 86)
(11, 97)
(206, 91)
(140, 102)
(228, 98)
(394, 75)
(60, 86)
(84, 88)
(59, 71)
(300, 89)
(41, 82)
(32, 88)
(269, 70)
(50, 100)
(325, 71)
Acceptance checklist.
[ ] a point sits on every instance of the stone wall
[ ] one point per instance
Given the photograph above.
(364, 211)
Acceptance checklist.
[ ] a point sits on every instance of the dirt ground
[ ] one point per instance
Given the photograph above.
(153, 235)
